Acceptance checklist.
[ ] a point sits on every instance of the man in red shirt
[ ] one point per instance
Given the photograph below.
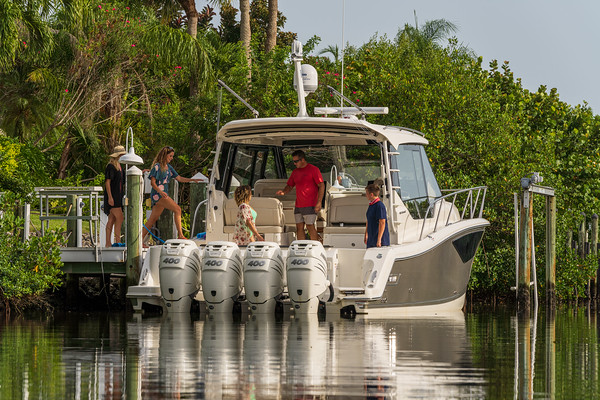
(309, 193)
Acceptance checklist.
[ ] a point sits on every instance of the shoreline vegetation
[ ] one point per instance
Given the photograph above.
(73, 79)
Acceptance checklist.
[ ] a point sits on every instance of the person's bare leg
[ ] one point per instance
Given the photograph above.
(169, 204)
(177, 214)
(154, 215)
(300, 231)
(312, 231)
(117, 213)
(109, 227)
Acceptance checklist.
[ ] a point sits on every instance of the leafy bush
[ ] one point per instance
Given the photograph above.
(573, 273)
(26, 267)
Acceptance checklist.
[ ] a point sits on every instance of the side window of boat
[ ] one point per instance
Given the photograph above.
(241, 168)
(412, 176)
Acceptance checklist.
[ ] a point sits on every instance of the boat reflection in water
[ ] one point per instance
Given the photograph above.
(221, 355)
(269, 358)
(264, 350)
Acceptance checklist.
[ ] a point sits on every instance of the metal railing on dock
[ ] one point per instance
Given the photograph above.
(72, 196)
(79, 259)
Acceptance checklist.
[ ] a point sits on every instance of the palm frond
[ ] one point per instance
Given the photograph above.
(176, 47)
(438, 29)
(9, 33)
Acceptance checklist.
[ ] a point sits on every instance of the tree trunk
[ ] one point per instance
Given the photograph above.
(114, 109)
(189, 6)
(271, 40)
(64, 159)
(246, 34)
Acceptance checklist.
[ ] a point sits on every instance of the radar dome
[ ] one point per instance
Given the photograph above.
(310, 79)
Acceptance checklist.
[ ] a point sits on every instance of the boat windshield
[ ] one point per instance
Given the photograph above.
(353, 167)
(413, 178)
(347, 167)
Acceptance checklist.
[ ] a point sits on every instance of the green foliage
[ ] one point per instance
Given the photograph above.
(21, 167)
(26, 267)
(99, 68)
(573, 273)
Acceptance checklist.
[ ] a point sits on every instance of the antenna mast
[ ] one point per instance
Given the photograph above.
(343, 49)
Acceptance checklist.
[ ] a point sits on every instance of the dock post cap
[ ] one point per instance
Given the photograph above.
(133, 170)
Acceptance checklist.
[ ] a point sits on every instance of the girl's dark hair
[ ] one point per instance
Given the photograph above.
(373, 189)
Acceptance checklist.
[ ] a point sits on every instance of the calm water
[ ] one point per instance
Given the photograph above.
(474, 356)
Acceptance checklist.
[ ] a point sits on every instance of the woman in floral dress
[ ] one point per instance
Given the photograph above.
(160, 175)
(245, 226)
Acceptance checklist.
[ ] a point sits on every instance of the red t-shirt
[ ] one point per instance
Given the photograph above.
(306, 181)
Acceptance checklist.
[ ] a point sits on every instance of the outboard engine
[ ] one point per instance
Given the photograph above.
(264, 276)
(179, 272)
(306, 266)
(221, 275)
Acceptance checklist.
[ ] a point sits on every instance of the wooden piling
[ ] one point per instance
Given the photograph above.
(523, 289)
(133, 232)
(594, 251)
(72, 280)
(581, 238)
(570, 239)
(551, 251)
(72, 230)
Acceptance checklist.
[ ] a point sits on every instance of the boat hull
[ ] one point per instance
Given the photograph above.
(427, 282)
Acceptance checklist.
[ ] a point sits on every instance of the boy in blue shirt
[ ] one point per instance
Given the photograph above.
(376, 230)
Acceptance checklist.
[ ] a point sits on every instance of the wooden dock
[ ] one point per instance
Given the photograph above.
(93, 260)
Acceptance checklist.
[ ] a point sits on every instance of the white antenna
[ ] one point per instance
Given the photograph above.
(343, 15)
(297, 59)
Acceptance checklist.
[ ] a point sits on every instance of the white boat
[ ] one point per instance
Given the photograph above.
(434, 235)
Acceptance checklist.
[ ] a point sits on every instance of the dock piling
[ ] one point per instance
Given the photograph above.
(523, 287)
(529, 186)
(551, 252)
(134, 225)
(594, 251)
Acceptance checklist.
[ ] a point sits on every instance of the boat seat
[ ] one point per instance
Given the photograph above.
(269, 215)
(347, 214)
(268, 188)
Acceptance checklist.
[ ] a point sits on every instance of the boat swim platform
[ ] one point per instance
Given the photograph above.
(93, 260)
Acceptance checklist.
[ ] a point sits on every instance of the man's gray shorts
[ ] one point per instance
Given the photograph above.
(306, 215)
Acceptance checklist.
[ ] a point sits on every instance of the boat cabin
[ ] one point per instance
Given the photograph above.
(350, 153)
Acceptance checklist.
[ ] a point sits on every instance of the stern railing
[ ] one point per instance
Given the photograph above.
(469, 208)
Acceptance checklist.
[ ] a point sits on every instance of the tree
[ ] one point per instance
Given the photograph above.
(246, 34)
(23, 30)
(271, 39)
(333, 50)
(429, 35)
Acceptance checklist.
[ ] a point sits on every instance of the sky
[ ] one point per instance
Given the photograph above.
(548, 42)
